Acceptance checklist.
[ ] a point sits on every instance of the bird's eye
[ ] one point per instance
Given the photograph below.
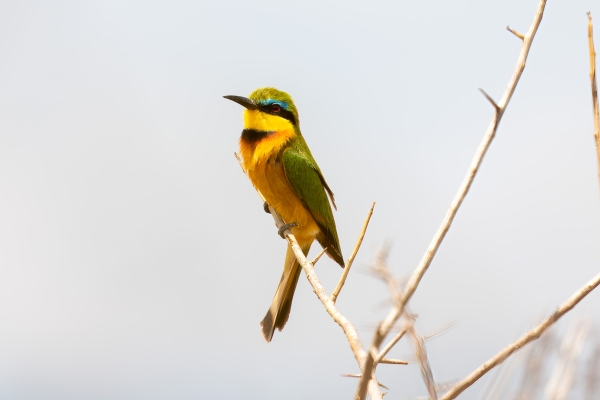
(275, 108)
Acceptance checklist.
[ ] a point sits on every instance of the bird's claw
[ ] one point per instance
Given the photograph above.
(285, 227)
(266, 207)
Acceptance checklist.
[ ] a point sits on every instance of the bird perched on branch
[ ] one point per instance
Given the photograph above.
(280, 166)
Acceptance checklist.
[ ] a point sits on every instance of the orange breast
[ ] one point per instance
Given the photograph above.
(268, 176)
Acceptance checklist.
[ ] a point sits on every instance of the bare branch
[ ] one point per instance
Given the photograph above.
(318, 257)
(389, 346)
(534, 366)
(594, 87)
(517, 34)
(349, 330)
(380, 268)
(421, 353)
(369, 364)
(528, 337)
(393, 361)
(416, 277)
(338, 288)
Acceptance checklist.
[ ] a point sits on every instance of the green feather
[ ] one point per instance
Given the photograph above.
(306, 179)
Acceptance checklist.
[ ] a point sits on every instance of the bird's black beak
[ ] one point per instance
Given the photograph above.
(249, 104)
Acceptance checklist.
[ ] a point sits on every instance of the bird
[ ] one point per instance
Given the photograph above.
(281, 167)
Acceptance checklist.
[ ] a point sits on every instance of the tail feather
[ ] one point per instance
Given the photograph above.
(279, 312)
(333, 249)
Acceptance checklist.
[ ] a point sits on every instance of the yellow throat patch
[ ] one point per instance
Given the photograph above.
(261, 121)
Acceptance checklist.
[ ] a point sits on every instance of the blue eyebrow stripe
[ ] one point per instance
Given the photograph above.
(268, 102)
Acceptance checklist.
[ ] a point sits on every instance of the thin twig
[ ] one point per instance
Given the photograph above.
(534, 366)
(237, 157)
(441, 330)
(416, 277)
(338, 288)
(389, 346)
(594, 87)
(421, 353)
(517, 34)
(393, 361)
(241, 162)
(318, 257)
(528, 337)
(380, 268)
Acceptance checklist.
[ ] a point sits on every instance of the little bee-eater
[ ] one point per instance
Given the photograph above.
(281, 167)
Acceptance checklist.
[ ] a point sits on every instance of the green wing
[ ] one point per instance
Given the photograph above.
(308, 183)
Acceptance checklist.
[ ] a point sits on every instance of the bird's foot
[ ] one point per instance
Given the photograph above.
(266, 207)
(285, 227)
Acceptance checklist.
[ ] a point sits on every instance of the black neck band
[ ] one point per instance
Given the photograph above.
(253, 135)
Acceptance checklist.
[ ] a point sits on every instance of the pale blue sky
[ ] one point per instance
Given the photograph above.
(136, 261)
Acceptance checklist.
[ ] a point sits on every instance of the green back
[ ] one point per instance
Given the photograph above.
(307, 180)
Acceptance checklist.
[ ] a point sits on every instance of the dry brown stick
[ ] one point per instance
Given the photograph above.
(393, 361)
(387, 324)
(517, 34)
(340, 285)
(343, 322)
(351, 333)
(380, 268)
(421, 353)
(594, 87)
(528, 337)
(534, 366)
(318, 257)
(369, 364)
(389, 346)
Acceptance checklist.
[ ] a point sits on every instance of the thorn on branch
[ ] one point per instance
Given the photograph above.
(492, 102)
(517, 34)
(360, 375)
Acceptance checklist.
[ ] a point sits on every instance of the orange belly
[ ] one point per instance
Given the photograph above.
(268, 177)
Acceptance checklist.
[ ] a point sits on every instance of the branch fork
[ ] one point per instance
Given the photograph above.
(368, 360)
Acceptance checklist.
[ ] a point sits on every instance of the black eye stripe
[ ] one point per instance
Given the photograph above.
(283, 113)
